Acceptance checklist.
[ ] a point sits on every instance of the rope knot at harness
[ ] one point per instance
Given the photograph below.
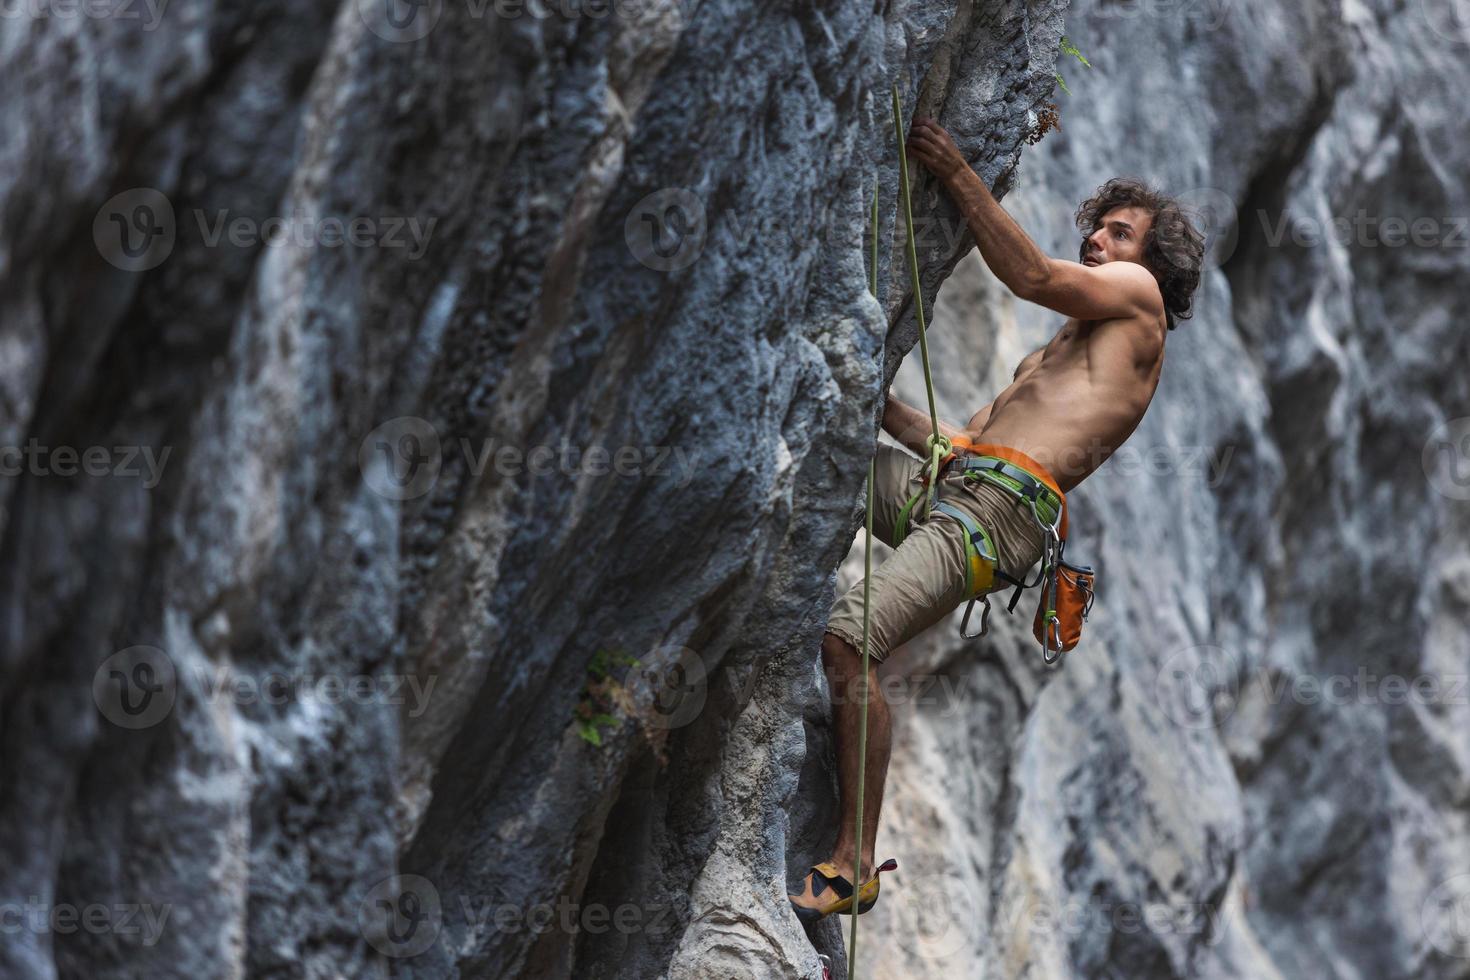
(934, 442)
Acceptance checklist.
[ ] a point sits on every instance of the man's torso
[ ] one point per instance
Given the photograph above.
(1076, 400)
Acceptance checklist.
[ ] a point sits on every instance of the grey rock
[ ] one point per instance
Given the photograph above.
(376, 620)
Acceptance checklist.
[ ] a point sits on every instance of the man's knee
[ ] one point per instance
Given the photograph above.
(836, 651)
(839, 654)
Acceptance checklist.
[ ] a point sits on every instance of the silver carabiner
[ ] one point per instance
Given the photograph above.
(984, 618)
(1052, 632)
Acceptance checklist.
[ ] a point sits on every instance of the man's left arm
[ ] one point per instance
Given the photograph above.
(1114, 289)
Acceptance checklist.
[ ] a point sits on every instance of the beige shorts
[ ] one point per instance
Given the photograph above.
(923, 581)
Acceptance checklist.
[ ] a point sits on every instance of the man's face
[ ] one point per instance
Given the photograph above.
(1117, 238)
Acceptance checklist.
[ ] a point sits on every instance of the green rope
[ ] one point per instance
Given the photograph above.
(857, 874)
(938, 446)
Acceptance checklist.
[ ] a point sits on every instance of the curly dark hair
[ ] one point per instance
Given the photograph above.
(1173, 249)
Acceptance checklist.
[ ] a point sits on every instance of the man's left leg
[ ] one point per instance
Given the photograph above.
(921, 583)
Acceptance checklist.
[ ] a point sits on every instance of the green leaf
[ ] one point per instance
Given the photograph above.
(1069, 48)
(1063, 83)
(590, 733)
(597, 666)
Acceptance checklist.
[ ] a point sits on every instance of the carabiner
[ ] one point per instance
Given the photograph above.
(1053, 633)
(984, 618)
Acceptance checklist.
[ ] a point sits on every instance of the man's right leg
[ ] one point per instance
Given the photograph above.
(844, 669)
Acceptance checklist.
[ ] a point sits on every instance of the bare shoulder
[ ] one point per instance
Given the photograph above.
(1138, 281)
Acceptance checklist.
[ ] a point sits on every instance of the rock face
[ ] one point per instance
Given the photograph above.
(466, 410)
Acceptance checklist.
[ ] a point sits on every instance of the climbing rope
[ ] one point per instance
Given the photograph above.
(938, 447)
(857, 875)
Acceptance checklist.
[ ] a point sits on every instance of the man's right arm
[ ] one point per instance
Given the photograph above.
(912, 427)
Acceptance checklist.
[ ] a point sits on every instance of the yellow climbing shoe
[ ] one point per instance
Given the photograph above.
(826, 891)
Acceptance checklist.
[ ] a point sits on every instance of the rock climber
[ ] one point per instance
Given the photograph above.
(1070, 405)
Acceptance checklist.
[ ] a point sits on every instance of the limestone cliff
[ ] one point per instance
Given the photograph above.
(432, 430)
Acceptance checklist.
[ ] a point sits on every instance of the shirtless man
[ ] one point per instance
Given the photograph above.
(1070, 405)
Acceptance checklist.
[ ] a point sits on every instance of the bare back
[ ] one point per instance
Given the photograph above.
(1076, 400)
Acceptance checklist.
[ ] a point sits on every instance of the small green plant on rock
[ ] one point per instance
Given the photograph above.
(1069, 48)
(600, 695)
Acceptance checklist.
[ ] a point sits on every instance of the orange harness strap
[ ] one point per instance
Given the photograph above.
(1019, 459)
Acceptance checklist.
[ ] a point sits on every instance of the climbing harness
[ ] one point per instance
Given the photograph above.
(1060, 614)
